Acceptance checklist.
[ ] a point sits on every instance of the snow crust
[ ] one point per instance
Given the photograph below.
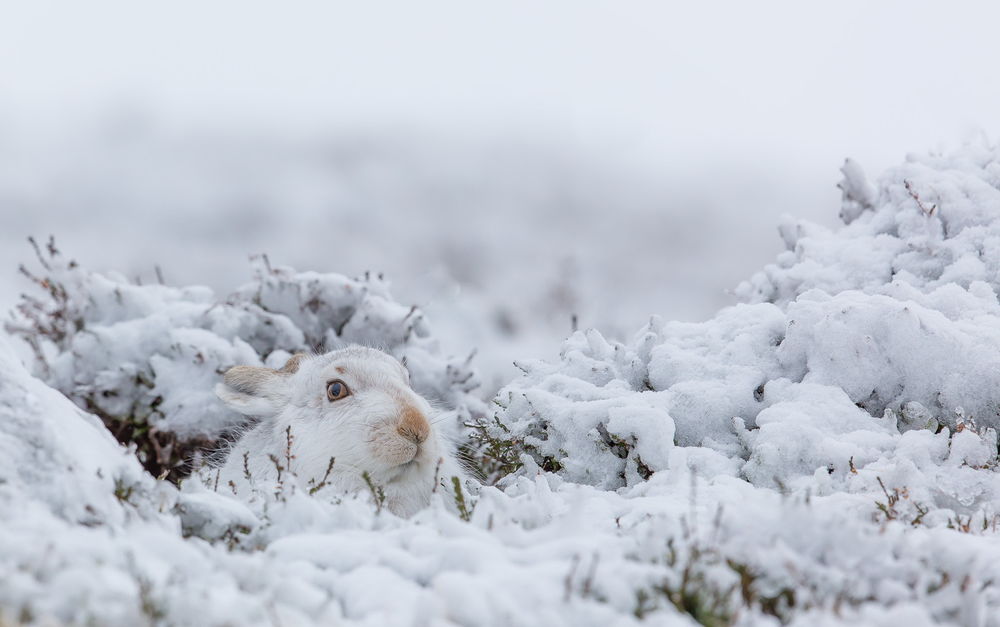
(824, 453)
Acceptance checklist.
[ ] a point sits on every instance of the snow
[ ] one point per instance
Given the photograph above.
(823, 453)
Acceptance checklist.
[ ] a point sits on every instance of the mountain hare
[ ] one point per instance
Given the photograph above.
(353, 418)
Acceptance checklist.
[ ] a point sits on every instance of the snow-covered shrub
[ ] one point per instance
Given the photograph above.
(609, 414)
(145, 358)
(930, 223)
(896, 312)
(63, 482)
(900, 304)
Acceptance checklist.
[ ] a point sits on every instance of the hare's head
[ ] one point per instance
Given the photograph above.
(354, 405)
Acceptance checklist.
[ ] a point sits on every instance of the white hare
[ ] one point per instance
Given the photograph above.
(352, 408)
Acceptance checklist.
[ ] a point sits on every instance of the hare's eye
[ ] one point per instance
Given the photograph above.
(336, 390)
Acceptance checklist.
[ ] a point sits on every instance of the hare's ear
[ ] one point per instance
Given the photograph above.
(254, 391)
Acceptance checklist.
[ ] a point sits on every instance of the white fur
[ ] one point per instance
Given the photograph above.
(358, 432)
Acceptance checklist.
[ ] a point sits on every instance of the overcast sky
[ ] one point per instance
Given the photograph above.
(802, 83)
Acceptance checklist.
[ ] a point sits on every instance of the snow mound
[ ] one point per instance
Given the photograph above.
(896, 312)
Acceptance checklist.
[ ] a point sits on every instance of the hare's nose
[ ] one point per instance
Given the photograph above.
(413, 425)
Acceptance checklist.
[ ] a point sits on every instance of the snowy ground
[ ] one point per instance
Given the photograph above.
(823, 453)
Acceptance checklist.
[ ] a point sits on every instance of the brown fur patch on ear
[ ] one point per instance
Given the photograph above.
(292, 365)
(248, 379)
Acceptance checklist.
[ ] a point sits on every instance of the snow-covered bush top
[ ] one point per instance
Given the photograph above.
(896, 313)
(145, 358)
(930, 225)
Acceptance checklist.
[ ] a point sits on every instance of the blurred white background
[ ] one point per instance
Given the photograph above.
(506, 164)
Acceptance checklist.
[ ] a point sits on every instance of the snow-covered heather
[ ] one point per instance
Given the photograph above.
(146, 358)
(824, 453)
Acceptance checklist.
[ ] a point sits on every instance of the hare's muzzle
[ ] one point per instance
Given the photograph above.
(413, 425)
